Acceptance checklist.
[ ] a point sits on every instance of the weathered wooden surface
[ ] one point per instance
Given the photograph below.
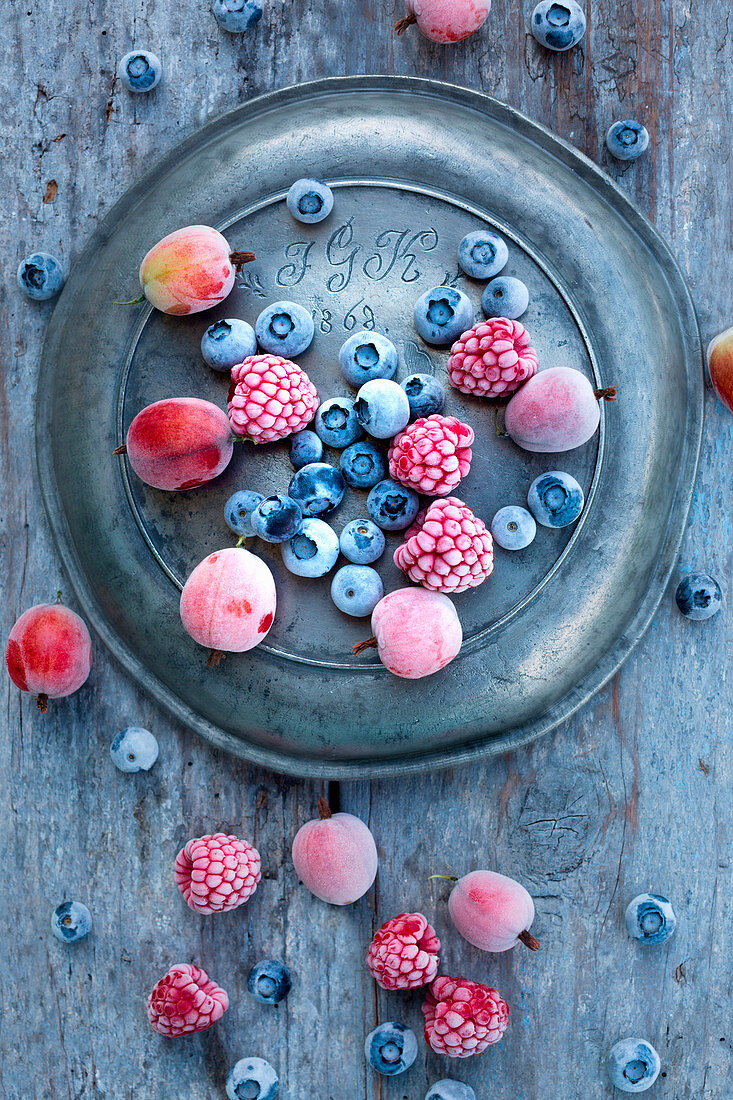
(632, 794)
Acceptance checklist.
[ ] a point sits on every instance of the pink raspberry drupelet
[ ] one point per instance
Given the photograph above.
(217, 873)
(184, 1001)
(270, 398)
(404, 953)
(432, 455)
(492, 359)
(447, 549)
(463, 1018)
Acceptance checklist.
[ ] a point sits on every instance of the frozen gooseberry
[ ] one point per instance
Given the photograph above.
(335, 856)
(416, 632)
(179, 443)
(190, 270)
(49, 652)
(228, 602)
(720, 366)
(492, 911)
(445, 21)
(556, 410)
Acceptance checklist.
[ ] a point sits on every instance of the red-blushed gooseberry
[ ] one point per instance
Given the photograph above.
(49, 652)
(179, 443)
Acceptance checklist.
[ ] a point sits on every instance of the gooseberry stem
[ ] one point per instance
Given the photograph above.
(324, 810)
(238, 259)
(215, 658)
(608, 393)
(368, 643)
(449, 878)
(42, 702)
(529, 940)
(132, 301)
(121, 450)
(402, 24)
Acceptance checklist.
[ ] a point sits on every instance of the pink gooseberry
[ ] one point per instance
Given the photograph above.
(445, 21)
(492, 911)
(190, 270)
(49, 652)
(556, 410)
(416, 632)
(335, 856)
(228, 602)
(179, 443)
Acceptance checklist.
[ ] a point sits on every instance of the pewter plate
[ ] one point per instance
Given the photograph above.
(414, 166)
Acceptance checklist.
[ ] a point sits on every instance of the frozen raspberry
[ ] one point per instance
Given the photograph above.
(463, 1018)
(217, 873)
(404, 953)
(447, 549)
(270, 398)
(492, 359)
(432, 455)
(184, 1001)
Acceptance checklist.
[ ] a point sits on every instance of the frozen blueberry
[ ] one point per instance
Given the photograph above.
(558, 24)
(336, 422)
(238, 511)
(140, 70)
(482, 254)
(448, 1089)
(237, 16)
(363, 465)
(650, 918)
(284, 328)
(699, 596)
(134, 750)
(382, 408)
(252, 1077)
(367, 355)
(555, 499)
(392, 506)
(310, 200)
(356, 590)
(318, 487)
(513, 528)
(313, 552)
(71, 921)
(361, 541)
(391, 1048)
(40, 276)
(627, 140)
(269, 982)
(226, 343)
(305, 447)
(633, 1065)
(277, 518)
(505, 297)
(425, 394)
(442, 314)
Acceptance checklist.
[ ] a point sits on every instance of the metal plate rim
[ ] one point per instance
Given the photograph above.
(304, 767)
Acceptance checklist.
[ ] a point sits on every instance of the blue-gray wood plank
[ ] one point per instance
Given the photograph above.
(633, 794)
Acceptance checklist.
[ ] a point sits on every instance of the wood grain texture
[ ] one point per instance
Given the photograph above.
(633, 794)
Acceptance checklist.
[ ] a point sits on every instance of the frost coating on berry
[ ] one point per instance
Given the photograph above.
(270, 398)
(492, 911)
(184, 1001)
(463, 1018)
(447, 549)
(187, 271)
(432, 455)
(446, 21)
(404, 953)
(335, 857)
(217, 873)
(417, 632)
(228, 603)
(491, 359)
(179, 443)
(556, 410)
